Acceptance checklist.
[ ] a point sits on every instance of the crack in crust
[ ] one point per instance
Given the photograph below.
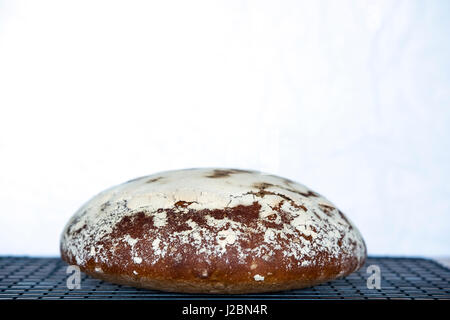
(223, 173)
(153, 180)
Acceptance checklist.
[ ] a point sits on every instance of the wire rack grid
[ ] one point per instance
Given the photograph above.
(401, 278)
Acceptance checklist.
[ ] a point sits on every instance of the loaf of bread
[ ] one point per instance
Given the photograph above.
(212, 230)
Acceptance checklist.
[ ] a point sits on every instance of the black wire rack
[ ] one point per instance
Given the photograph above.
(401, 278)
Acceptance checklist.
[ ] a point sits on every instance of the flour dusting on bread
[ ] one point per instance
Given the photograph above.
(239, 215)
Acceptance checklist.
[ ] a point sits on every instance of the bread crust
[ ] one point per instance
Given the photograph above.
(250, 233)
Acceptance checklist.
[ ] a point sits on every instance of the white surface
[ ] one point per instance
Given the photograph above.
(445, 261)
(349, 98)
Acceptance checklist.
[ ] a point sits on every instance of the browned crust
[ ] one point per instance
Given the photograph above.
(167, 277)
(205, 287)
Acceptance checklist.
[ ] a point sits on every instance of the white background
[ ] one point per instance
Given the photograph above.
(349, 98)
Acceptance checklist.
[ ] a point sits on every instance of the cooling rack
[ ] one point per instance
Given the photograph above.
(401, 279)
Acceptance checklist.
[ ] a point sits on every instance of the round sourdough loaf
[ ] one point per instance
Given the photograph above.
(212, 231)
